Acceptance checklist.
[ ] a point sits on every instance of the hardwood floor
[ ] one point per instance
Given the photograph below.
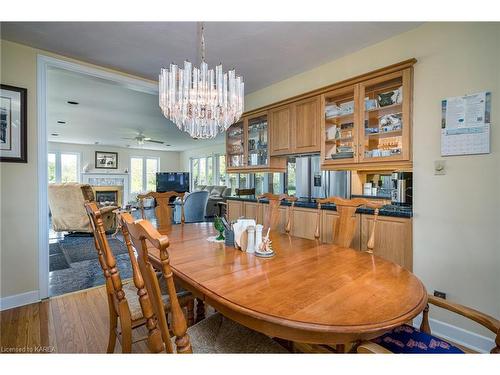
(73, 323)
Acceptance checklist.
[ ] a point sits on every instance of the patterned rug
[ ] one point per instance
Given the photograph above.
(74, 264)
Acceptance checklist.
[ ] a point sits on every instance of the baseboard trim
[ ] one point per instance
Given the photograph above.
(19, 300)
(458, 335)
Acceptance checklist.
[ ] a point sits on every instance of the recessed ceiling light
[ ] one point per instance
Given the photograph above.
(61, 122)
(55, 134)
(96, 143)
(168, 145)
(73, 102)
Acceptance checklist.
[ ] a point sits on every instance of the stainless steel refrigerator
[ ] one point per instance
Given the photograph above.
(313, 183)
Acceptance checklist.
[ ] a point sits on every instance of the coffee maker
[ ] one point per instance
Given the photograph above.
(401, 184)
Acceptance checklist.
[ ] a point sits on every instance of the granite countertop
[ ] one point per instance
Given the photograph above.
(387, 210)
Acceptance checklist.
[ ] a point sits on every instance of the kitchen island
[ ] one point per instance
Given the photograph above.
(393, 234)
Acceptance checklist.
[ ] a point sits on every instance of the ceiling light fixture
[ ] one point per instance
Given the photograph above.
(200, 101)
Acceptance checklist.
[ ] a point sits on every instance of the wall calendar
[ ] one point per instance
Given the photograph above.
(465, 124)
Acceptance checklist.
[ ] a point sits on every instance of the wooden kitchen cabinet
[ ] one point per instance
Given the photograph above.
(234, 209)
(248, 146)
(306, 134)
(393, 238)
(280, 129)
(393, 235)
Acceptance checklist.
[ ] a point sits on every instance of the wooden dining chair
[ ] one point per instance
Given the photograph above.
(272, 218)
(163, 210)
(344, 228)
(128, 302)
(407, 339)
(214, 334)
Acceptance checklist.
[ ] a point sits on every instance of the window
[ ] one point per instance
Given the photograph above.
(63, 167)
(222, 170)
(52, 168)
(210, 170)
(143, 173)
(151, 169)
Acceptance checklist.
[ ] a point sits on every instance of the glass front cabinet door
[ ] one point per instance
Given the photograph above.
(385, 131)
(257, 141)
(235, 141)
(340, 126)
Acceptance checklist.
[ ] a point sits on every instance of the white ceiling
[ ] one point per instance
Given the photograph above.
(108, 112)
(263, 52)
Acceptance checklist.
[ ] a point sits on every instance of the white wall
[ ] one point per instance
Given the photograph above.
(456, 241)
(169, 160)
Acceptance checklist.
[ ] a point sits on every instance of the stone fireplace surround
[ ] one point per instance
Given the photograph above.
(111, 181)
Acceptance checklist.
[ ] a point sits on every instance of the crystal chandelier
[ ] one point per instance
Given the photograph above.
(200, 101)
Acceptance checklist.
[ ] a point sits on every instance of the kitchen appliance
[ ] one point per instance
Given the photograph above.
(312, 183)
(402, 186)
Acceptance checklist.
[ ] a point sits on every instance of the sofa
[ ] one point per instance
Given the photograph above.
(66, 203)
(215, 194)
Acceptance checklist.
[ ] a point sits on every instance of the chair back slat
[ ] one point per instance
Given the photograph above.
(271, 220)
(143, 234)
(163, 210)
(344, 228)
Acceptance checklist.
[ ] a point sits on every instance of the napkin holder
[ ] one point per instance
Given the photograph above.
(240, 233)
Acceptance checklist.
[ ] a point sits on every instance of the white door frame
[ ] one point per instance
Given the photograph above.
(43, 64)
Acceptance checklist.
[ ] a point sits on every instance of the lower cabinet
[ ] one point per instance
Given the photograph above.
(234, 209)
(393, 235)
(393, 238)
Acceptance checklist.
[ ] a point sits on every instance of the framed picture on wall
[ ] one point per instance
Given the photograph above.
(106, 160)
(13, 124)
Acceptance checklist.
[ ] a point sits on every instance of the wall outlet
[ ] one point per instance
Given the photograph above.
(439, 294)
(439, 167)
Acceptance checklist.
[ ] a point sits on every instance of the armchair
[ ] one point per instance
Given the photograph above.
(67, 206)
(412, 340)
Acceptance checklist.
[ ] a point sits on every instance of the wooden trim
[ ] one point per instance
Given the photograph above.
(363, 77)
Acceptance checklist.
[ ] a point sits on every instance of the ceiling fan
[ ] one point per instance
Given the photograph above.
(141, 139)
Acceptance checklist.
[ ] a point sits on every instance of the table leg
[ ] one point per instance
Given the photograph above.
(200, 310)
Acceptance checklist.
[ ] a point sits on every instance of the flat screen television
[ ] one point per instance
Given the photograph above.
(172, 181)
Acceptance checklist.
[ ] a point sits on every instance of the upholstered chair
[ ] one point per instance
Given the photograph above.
(66, 202)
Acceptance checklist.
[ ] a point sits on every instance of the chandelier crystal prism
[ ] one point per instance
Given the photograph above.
(201, 102)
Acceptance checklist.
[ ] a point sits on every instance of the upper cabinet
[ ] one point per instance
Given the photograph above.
(363, 123)
(295, 128)
(306, 127)
(385, 134)
(247, 146)
(235, 145)
(368, 125)
(280, 127)
(340, 123)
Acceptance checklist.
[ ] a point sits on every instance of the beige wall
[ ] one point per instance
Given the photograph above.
(19, 182)
(18, 193)
(457, 216)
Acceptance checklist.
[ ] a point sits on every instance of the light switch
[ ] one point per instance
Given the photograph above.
(439, 167)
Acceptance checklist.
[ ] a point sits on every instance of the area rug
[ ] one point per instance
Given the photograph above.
(74, 265)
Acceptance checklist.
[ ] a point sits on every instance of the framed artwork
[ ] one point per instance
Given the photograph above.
(13, 124)
(106, 160)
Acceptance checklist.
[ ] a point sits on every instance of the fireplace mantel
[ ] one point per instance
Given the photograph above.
(108, 179)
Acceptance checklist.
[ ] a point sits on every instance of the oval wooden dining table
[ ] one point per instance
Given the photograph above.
(308, 292)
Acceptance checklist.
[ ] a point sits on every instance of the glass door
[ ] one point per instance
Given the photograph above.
(386, 129)
(235, 145)
(257, 142)
(340, 126)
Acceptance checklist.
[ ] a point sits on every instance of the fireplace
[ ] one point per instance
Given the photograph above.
(105, 182)
(110, 196)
